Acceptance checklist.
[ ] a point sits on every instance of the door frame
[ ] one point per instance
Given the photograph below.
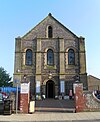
(50, 94)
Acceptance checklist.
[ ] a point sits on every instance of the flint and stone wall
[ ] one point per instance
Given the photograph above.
(85, 100)
(91, 102)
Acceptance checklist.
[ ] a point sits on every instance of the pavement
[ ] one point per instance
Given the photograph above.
(52, 117)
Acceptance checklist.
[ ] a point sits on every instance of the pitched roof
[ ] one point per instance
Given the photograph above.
(50, 15)
(93, 77)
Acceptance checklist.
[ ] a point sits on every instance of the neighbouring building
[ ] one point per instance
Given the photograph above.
(51, 58)
(93, 83)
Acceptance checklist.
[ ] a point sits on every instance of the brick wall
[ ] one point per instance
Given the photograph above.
(79, 100)
(85, 100)
(24, 105)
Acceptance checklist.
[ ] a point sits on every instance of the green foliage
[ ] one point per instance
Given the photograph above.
(4, 78)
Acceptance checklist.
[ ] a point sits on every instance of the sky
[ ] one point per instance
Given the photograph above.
(82, 17)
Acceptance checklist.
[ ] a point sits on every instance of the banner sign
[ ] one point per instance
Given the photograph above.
(37, 86)
(25, 88)
(62, 86)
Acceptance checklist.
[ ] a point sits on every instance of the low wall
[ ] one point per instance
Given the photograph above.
(91, 103)
(85, 100)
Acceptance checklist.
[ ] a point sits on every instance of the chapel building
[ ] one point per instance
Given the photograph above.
(51, 57)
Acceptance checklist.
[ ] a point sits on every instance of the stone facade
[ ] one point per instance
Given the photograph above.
(58, 78)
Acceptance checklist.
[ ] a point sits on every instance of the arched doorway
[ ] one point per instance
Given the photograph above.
(50, 89)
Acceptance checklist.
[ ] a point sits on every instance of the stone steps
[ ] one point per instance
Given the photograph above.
(52, 105)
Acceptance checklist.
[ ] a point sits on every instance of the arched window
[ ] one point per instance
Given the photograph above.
(28, 57)
(71, 57)
(49, 32)
(50, 57)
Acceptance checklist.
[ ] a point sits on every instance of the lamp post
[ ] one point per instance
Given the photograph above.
(76, 78)
(17, 81)
(16, 97)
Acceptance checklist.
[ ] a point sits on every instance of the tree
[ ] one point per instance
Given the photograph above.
(4, 78)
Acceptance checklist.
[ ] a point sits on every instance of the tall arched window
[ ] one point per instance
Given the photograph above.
(50, 57)
(71, 57)
(49, 32)
(28, 57)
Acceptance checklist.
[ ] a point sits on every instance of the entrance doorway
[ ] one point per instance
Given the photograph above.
(50, 89)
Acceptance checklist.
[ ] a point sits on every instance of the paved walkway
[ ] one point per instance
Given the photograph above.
(53, 111)
(52, 117)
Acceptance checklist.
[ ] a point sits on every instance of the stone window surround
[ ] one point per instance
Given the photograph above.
(66, 55)
(50, 52)
(24, 56)
(45, 56)
(47, 34)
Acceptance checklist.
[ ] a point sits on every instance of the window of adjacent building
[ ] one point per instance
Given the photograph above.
(71, 57)
(50, 57)
(28, 57)
(49, 32)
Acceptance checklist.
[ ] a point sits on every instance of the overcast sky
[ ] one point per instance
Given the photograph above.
(82, 17)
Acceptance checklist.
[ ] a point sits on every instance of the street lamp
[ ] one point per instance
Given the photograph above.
(77, 78)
